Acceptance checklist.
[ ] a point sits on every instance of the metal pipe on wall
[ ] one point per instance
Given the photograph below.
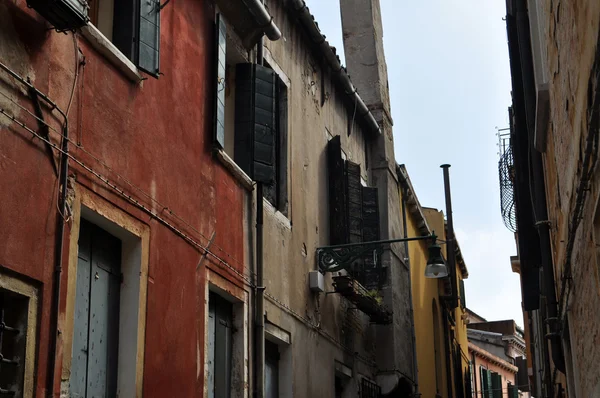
(259, 316)
(60, 228)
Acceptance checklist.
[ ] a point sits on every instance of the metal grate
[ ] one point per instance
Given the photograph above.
(11, 344)
(368, 389)
(506, 172)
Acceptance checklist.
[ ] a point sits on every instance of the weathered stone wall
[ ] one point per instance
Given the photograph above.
(571, 39)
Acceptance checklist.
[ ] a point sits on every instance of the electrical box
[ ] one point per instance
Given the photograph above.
(316, 282)
(62, 14)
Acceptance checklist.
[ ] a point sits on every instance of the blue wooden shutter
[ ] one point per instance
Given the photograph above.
(149, 37)
(220, 59)
(255, 121)
(338, 224)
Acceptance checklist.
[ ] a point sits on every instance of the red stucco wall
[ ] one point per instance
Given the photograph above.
(158, 136)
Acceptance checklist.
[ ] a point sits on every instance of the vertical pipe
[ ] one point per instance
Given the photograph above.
(412, 312)
(59, 254)
(450, 245)
(260, 289)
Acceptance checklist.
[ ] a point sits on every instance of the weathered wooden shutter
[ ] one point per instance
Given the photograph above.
(354, 189)
(338, 223)
(220, 61)
(496, 385)
(490, 388)
(255, 121)
(149, 36)
(483, 381)
(463, 298)
(372, 277)
(513, 391)
(222, 345)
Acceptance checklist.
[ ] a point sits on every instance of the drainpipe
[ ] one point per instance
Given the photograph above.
(411, 308)
(60, 228)
(447, 343)
(260, 289)
(264, 20)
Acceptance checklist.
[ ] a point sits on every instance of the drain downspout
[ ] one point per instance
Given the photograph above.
(259, 351)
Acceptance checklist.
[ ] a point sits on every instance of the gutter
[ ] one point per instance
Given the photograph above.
(263, 19)
(340, 73)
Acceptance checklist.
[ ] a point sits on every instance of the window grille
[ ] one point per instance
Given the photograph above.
(13, 319)
(368, 389)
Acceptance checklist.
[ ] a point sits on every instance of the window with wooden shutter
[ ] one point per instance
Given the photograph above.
(354, 196)
(373, 274)
(220, 67)
(255, 121)
(496, 385)
(338, 223)
(463, 297)
(220, 324)
(484, 381)
(149, 36)
(513, 391)
(490, 391)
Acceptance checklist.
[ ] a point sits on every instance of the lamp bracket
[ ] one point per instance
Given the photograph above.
(338, 257)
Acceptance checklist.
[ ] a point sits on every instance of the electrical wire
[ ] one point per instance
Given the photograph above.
(175, 229)
(120, 176)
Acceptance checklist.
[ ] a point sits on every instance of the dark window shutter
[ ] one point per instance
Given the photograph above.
(220, 60)
(149, 36)
(372, 273)
(463, 301)
(483, 379)
(490, 384)
(255, 121)
(338, 224)
(355, 214)
(496, 385)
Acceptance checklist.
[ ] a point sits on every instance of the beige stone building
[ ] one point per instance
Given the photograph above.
(550, 171)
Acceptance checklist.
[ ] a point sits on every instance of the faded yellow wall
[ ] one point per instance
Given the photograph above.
(424, 292)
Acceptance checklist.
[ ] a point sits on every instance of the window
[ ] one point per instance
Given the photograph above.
(133, 26)
(437, 352)
(369, 389)
(353, 213)
(18, 317)
(271, 370)
(94, 366)
(251, 116)
(220, 327)
(463, 296)
(513, 391)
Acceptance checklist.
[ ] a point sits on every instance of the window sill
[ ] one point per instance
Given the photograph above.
(112, 53)
(279, 216)
(235, 170)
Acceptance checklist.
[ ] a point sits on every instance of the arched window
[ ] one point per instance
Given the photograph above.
(436, 346)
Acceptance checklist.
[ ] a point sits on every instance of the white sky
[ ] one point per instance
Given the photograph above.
(449, 82)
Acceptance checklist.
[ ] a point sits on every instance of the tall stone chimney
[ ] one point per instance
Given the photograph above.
(365, 60)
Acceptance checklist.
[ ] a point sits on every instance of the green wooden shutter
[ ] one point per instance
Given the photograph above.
(490, 383)
(513, 391)
(496, 385)
(149, 36)
(463, 301)
(220, 61)
(338, 224)
(255, 121)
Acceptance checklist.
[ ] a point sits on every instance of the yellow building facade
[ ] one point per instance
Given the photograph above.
(440, 330)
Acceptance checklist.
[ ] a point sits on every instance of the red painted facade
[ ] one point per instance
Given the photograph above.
(156, 139)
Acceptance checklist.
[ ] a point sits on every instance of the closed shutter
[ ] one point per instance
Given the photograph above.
(496, 385)
(468, 385)
(149, 36)
(354, 189)
(338, 223)
(222, 345)
(483, 379)
(490, 391)
(220, 60)
(463, 300)
(255, 121)
(373, 274)
(513, 391)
